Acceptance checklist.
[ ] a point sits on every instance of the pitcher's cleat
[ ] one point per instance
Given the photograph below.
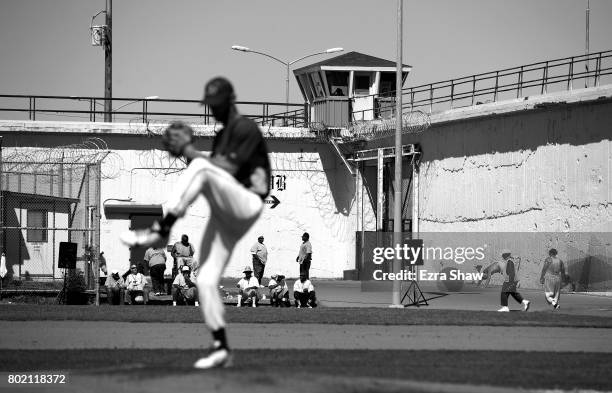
(504, 309)
(556, 306)
(526, 304)
(143, 237)
(219, 357)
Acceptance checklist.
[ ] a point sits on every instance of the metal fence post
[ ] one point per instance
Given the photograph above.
(473, 88)
(519, 85)
(430, 98)
(452, 92)
(544, 78)
(496, 86)
(597, 69)
(570, 74)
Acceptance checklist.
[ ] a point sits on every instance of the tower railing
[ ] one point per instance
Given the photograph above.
(565, 74)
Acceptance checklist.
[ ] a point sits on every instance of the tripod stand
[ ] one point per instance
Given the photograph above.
(414, 295)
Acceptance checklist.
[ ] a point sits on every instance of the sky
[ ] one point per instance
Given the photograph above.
(170, 48)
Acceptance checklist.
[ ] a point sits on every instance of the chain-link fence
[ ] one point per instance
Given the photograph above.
(44, 203)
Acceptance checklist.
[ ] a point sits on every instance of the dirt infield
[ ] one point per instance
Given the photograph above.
(147, 349)
(124, 335)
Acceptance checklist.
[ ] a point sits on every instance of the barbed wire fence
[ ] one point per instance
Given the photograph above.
(49, 196)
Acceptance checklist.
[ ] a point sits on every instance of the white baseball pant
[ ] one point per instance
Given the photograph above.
(233, 210)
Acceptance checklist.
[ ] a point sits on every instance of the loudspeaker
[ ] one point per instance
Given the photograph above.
(67, 255)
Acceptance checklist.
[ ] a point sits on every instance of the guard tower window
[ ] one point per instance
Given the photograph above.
(317, 84)
(338, 82)
(37, 219)
(362, 84)
(387, 84)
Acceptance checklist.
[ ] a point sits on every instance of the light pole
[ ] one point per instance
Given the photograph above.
(287, 64)
(108, 62)
(399, 122)
(102, 36)
(588, 25)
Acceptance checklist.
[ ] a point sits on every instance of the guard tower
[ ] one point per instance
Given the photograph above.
(349, 87)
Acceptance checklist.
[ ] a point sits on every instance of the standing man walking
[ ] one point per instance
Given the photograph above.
(235, 180)
(509, 288)
(305, 255)
(260, 257)
(552, 276)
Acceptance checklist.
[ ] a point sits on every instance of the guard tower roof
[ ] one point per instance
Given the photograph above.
(352, 60)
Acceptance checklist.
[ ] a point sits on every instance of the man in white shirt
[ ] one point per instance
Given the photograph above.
(304, 292)
(135, 284)
(184, 290)
(279, 292)
(249, 287)
(260, 257)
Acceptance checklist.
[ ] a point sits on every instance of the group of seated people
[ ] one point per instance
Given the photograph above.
(249, 291)
(130, 290)
(133, 289)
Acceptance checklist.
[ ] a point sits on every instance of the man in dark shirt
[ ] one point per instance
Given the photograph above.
(509, 271)
(235, 181)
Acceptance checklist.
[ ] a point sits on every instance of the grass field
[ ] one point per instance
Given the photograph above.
(350, 316)
(268, 368)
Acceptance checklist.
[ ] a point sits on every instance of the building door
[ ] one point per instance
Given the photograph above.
(363, 101)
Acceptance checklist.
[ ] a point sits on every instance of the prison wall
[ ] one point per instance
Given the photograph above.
(541, 166)
(315, 192)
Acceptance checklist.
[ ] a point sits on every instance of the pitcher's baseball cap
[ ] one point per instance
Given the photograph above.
(217, 91)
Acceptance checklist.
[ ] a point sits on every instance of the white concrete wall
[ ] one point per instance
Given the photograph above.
(541, 165)
(307, 205)
(319, 194)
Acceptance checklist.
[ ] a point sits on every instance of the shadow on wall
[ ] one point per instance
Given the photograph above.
(13, 241)
(590, 270)
(575, 124)
(341, 182)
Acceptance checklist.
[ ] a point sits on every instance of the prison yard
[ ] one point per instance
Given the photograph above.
(399, 218)
(341, 348)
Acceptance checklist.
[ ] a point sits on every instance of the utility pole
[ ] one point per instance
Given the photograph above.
(586, 64)
(399, 122)
(108, 63)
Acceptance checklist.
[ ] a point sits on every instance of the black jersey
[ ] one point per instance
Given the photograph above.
(243, 144)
